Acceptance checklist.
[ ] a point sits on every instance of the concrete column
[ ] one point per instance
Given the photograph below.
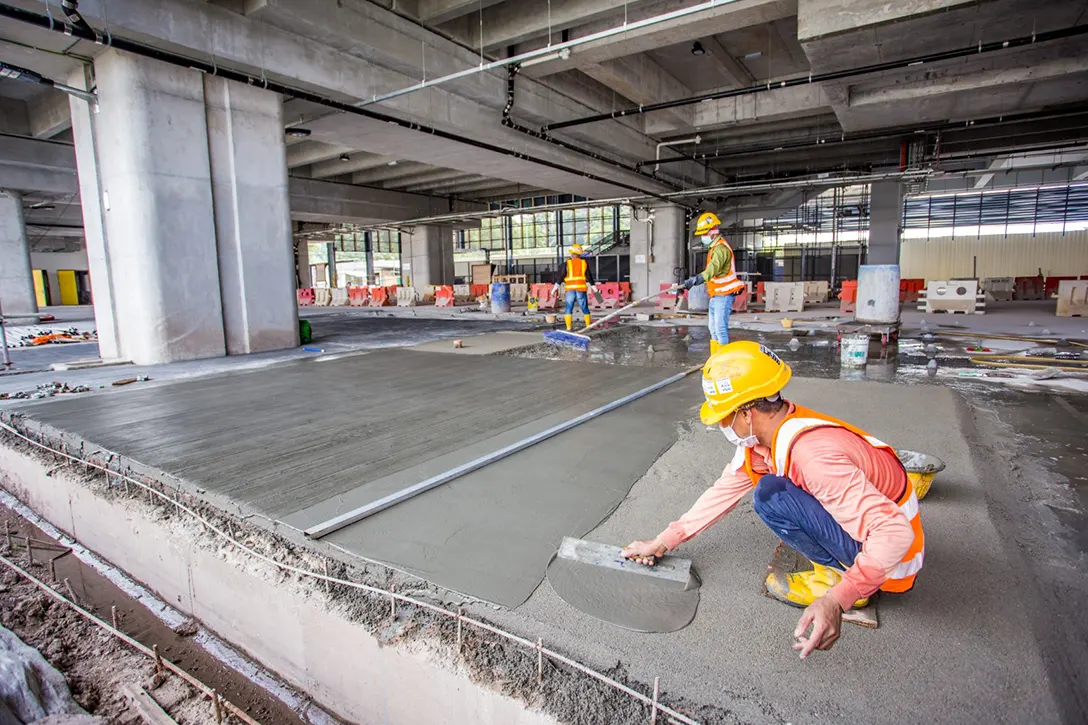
(369, 243)
(428, 254)
(659, 242)
(885, 222)
(330, 276)
(16, 284)
(85, 134)
(185, 205)
(303, 255)
(252, 216)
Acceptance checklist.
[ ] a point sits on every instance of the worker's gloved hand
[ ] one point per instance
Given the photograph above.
(555, 288)
(693, 281)
(644, 552)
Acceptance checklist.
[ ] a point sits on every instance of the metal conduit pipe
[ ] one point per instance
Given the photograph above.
(560, 50)
(675, 142)
(147, 51)
(978, 49)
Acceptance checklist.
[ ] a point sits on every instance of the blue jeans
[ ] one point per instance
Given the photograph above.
(802, 522)
(721, 307)
(580, 297)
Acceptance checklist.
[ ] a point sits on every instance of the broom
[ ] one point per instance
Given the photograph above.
(577, 341)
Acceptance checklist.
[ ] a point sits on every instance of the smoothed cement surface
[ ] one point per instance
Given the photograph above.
(629, 599)
(959, 648)
(304, 441)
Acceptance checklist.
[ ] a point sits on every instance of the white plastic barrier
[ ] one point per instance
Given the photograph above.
(1072, 298)
(816, 292)
(322, 297)
(784, 296)
(957, 295)
(407, 297)
(999, 288)
(426, 294)
(462, 293)
(339, 297)
(519, 293)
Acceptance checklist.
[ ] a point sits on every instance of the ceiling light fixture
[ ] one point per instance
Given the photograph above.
(298, 132)
(697, 48)
(345, 157)
(750, 56)
(393, 162)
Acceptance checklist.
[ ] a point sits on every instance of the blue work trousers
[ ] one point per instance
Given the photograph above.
(796, 517)
(721, 307)
(579, 297)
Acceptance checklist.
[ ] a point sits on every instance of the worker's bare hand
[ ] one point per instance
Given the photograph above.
(644, 552)
(825, 617)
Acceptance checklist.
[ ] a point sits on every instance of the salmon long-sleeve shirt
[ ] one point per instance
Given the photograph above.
(856, 483)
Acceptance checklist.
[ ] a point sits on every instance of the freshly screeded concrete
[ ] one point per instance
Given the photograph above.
(387, 420)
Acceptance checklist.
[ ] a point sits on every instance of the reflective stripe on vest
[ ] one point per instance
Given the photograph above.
(801, 421)
(727, 284)
(575, 280)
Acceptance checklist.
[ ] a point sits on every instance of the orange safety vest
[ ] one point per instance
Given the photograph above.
(801, 421)
(728, 284)
(575, 280)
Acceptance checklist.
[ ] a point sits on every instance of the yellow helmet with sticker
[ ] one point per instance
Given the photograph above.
(737, 374)
(707, 221)
(576, 250)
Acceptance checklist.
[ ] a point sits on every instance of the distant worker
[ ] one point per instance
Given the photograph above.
(578, 281)
(830, 491)
(720, 276)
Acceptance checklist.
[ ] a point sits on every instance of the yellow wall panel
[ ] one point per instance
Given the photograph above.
(1019, 255)
(69, 292)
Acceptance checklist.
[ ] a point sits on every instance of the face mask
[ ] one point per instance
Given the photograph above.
(747, 441)
(707, 240)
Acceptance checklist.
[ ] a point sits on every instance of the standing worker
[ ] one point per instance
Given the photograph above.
(720, 276)
(578, 281)
(831, 491)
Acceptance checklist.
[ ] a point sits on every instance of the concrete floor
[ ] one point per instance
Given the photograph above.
(993, 632)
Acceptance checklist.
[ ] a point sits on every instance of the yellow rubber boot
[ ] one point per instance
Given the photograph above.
(569, 319)
(714, 346)
(805, 587)
(586, 318)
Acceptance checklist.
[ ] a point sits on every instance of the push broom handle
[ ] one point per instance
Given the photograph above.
(647, 298)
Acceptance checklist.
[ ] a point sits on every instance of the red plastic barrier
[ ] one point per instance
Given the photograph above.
(625, 292)
(358, 296)
(305, 297)
(740, 301)
(761, 292)
(911, 289)
(380, 297)
(443, 296)
(848, 295)
(1029, 288)
(1051, 287)
(610, 294)
(668, 302)
(478, 291)
(546, 296)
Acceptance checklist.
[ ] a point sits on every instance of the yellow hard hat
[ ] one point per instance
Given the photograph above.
(737, 374)
(707, 221)
(576, 250)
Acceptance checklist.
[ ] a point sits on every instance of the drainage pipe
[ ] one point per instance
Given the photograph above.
(358, 514)
(558, 50)
(148, 51)
(675, 142)
(980, 48)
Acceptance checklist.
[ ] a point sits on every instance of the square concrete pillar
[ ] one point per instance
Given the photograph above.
(302, 257)
(427, 256)
(252, 216)
(659, 243)
(16, 284)
(885, 222)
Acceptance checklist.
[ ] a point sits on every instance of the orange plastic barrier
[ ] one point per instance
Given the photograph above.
(305, 297)
(546, 296)
(910, 290)
(380, 297)
(848, 295)
(1029, 288)
(740, 301)
(761, 292)
(443, 296)
(668, 302)
(478, 291)
(625, 292)
(358, 296)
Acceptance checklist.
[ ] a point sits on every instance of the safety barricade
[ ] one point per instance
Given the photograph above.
(1029, 288)
(381, 296)
(816, 292)
(339, 297)
(322, 297)
(1052, 284)
(911, 289)
(462, 293)
(761, 293)
(478, 291)
(357, 296)
(1073, 298)
(547, 297)
(625, 292)
(610, 295)
(426, 293)
(784, 296)
(443, 296)
(962, 295)
(740, 299)
(668, 301)
(999, 289)
(407, 297)
(519, 292)
(305, 297)
(848, 296)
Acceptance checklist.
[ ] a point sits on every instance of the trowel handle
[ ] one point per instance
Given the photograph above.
(628, 306)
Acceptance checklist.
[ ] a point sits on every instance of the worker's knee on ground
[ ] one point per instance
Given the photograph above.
(767, 490)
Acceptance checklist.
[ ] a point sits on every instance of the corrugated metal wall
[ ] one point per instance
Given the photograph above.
(1012, 256)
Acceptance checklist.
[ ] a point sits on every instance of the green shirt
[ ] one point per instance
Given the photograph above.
(721, 258)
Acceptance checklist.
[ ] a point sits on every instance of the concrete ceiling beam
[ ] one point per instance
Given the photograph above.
(741, 14)
(642, 80)
(313, 152)
(779, 104)
(14, 117)
(435, 12)
(430, 182)
(357, 161)
(739, 76)
(49, 114)
(322, 201)
(28, 164)
(388, 172)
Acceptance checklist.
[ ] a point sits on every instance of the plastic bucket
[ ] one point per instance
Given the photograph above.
(699, 298)
(922, 468)
(853, 351)
(500, 297)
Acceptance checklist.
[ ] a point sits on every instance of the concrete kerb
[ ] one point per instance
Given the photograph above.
(216, 523)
